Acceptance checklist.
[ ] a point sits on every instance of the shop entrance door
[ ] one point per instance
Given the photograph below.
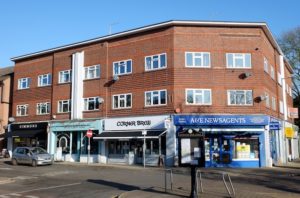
(221, 151)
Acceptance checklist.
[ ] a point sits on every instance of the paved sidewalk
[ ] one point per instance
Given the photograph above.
(293, 164)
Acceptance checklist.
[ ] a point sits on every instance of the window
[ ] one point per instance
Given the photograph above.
(279, 79)
(43, 108)
(44, 80)
(198, 96)
(240, 97)
(274, 103)
(122, 101)
(291, 94)
(24, 83)
(65, 76)
(245, 148)
(272, 72)
(158, 61)
(266, 65)
(92, 72)
(281, 107)
(267, 100)
(123, 67)
(154, 98)
(64, 106)
(91, 104)
(22, 110)
(197, 59)
(238, 60)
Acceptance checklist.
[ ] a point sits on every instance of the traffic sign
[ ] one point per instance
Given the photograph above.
(89, 133)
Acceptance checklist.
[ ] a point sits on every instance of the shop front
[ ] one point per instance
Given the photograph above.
(133, 140)
(27, 134)
(69, 142)
(229, 140)
(291, 141)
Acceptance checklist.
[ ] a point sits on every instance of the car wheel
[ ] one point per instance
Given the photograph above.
(14, 162)
(33, 163)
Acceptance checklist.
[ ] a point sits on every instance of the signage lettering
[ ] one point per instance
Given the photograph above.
(27, 126)
(134, 123)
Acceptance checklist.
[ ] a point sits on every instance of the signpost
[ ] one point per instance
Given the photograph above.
(144, 133)
(89, 134)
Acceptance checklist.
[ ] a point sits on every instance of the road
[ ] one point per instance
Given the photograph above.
(80, 180)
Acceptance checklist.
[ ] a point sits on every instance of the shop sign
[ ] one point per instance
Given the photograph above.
(221, 120)
(293, 112)
(29, 126)
(135, 123)
(289, 132)
(75, 125)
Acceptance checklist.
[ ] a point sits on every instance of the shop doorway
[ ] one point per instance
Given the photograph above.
(220, 151)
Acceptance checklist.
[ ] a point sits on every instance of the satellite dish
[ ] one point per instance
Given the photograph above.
(116, 77)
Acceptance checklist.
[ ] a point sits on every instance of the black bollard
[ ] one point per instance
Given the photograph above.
(194, 193)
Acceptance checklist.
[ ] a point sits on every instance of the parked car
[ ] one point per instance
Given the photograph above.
(31, 155)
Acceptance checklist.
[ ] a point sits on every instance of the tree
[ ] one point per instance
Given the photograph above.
(290, 45)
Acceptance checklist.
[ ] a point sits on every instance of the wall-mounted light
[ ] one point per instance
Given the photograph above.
(116, 78)
(260, 98)
(245, 75)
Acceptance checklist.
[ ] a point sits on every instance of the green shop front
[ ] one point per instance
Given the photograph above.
(68, 140)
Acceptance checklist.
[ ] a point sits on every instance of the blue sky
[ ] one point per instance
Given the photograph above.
(28, 26)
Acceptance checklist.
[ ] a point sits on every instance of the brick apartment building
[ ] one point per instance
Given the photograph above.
(6, 82)
(229, 80)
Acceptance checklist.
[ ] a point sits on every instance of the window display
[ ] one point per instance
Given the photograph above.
(246, 148)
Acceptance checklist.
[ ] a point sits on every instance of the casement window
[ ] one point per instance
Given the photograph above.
(24, 83)
(240, 97)
(267, 100)
(266, 65)
(122, 101)
(154, 98)
(198, 96)
(279, 79)
(64, 106)
(22, 110)
(158, 61)
(122, 67)
(44, 80)
(42, 108)
(92, 72)
(197, 59)
(281, 107)
(91, 104)
(274, 103)
(65, 76)
(272, 72)
(238, 60)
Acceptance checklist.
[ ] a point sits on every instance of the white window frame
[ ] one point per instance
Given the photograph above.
(159, 62)
(121, 99)
(194, 56)
(68, 102)
(42, 77)
(92, 69)
(267, 100)
(281, 107)
(119, 65)
(39, 106)
(198, 94)
(279, 78)
(26, 80)
(266, 65)
(274, 103)
(159, 98)
(64, 72)
(91, 99)
(245, 95)
(235, 56)
(19, 111)
(272, 72)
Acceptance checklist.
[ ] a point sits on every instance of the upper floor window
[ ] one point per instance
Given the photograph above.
(64, 106)
(281, 107)
(198, 96)
(43, 108)
(267, 100)
(24, 83)
(290, 90)
(279, 79)
(44, 80)
(158, 61)
(238, 60)
(153, 98)
(122, 101)
(122, 67)
(266, 65)
(22, 110)
(197, 59)
(272, 72)
(92, 72)
(65, 76)
(240, 97)
(91, 104)
(274, 103)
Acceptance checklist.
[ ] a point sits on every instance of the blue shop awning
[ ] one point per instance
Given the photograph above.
(128, 135)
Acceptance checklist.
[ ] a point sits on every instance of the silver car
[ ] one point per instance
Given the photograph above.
(31, 155)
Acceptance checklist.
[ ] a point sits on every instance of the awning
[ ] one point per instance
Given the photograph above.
(25, 133)
(128, 135)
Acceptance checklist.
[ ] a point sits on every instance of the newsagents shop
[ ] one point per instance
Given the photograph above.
(230, 140)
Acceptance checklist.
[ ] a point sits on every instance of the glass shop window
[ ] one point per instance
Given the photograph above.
(246, 148)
